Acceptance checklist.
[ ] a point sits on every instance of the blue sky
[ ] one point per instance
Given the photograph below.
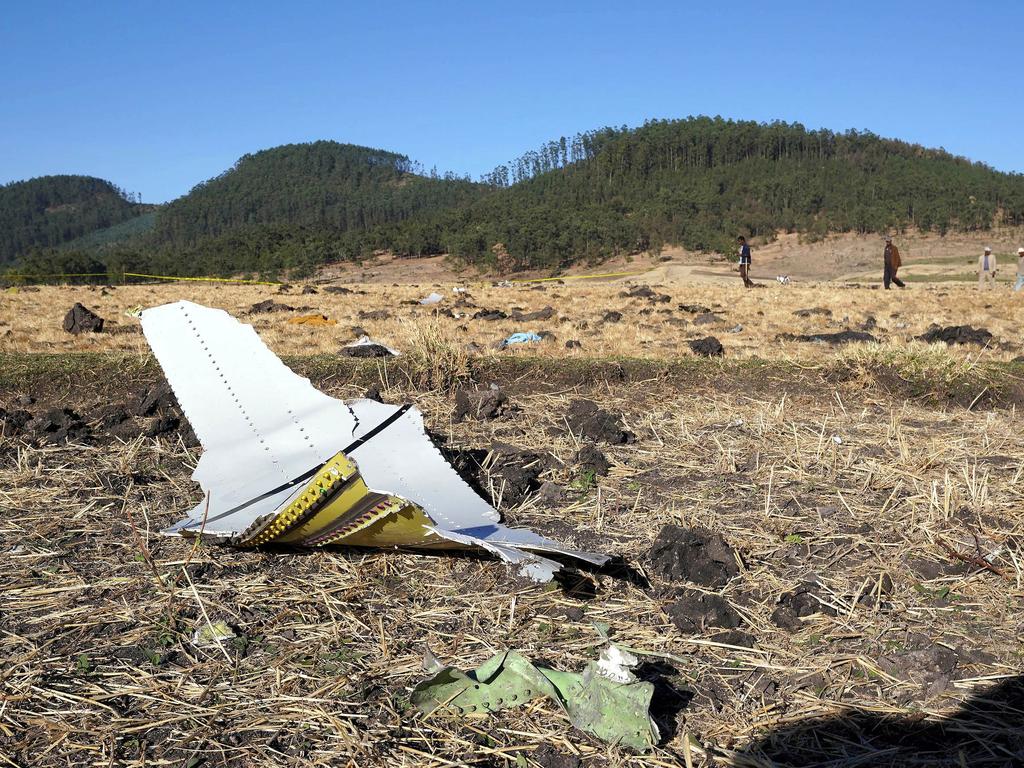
(159, 96)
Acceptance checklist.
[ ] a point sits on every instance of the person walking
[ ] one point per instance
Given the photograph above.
(987, 267)
(891, 257)
(1020, 270)
(745, 261)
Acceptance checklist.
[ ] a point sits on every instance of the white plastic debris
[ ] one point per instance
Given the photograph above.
(433, 298)
(616, 664)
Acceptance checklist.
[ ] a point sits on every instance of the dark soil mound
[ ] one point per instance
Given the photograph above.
(709, 346)
(694, 309)
(707, 318)
(61, 425)
(514, 473)
(611, 316)
(82, 320)
(482, 405)
(590, 459)
(835, 339)
(262, 307)
(14, 422)
(490, 314)
(337, 289)
(695, 611)
(957, 334)
(374, 314)
(573, 344)
(587, 420)
(811, 311)
(365, 350)
(541, 314)
(692, 554)
(799, 603)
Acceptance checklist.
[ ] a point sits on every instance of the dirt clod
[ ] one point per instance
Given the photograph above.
(709, 346)
(514, 473)
(957, 334)
(590, 459)
(60, 425)
(835, 339)
(611, 316)
(263, 307)
(365, 350)
(482, 405)
(696, 555)
(82, 320)
(587, 420)
(694, 611)
(797, 604)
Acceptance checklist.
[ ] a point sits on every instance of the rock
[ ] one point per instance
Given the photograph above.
(81, 320)
(797, 604)
(612, 316)
(696, 611)
(585, 419)
(696, 555)
(957, 334)
(590, 459)
(834, 339)
(262, 307)
(482, 405)
(709, 346)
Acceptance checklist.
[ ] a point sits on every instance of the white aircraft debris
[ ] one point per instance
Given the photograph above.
(285, 463)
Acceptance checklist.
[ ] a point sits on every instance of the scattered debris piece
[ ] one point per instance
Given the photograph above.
(313, 320)
(483, 405)
(212, 634)
(367, 347)
(135, 311)
(782, 279)
(520, 338)
(957, 334)
(433, 298)
(81, 320)
(585, 419)
(738, 328)
(283, 462)
(696, 555)
(262, 307)
(606, 700)
(709, 346)
(834, 339)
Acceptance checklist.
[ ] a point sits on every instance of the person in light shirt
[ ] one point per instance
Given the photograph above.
(987, 268)
(1020, 270)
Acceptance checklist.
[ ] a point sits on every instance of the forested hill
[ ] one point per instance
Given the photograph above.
(699, 182)
(321, 185)
(51, 210)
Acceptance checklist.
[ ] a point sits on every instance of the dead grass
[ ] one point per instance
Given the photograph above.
(842, 486)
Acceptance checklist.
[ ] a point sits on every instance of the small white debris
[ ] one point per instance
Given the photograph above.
(212, 634)
(615, 664)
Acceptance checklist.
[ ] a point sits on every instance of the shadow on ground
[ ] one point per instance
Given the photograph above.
(985, 732)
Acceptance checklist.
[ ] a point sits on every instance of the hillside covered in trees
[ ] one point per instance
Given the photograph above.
(49, 211)
(696, 182)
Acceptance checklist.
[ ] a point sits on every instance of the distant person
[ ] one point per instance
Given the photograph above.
(891, 257)
(1020, 270)
(987, 267)
(745, 261)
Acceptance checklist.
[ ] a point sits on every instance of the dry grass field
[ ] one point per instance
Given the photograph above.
(870, 495)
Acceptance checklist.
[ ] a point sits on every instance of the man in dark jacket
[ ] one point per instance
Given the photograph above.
(892, 263)
(745, 261)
